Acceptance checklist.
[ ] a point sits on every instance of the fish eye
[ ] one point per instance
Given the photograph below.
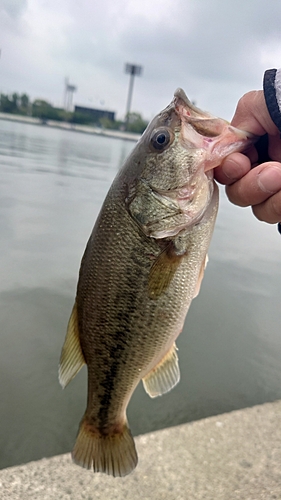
(160, 139)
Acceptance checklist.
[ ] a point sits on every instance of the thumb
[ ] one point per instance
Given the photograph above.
(256, 186)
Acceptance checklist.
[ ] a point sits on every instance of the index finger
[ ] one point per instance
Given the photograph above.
(252, 114)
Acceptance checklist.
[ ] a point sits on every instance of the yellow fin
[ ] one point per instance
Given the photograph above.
(161, 273)
(72, 359)
(200, 277)
(164, 376)
(114, 454)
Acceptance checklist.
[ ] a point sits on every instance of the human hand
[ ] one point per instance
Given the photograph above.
(258, 187)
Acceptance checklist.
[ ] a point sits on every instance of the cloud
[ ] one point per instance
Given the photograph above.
(13, 8)
(215, 50)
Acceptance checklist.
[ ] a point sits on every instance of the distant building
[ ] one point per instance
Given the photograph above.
(95, 114)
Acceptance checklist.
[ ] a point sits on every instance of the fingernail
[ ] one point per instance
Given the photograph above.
(269, 180)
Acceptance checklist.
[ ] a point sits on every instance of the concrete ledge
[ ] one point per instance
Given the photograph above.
(232, 456)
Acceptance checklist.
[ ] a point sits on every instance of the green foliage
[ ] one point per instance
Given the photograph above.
(8, 104)
(110, 124)
(135, 123)
(81, 118)
(44, 110)
(24, 102)
(21, 104)
(15, 100)
(15, 103)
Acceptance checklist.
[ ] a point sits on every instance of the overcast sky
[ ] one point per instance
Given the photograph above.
(216, 50)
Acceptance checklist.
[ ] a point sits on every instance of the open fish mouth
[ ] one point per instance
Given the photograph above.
(214, 135)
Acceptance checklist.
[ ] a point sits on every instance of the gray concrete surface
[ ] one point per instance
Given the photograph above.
(232, 456)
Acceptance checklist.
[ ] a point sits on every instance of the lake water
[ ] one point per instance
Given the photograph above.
(52, 184)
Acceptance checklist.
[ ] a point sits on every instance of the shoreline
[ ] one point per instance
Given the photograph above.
(73, 127)
(234, 456)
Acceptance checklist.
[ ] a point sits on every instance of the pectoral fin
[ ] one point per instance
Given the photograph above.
(161, 273)
(164, 376)
(200, 277)
(72, 359)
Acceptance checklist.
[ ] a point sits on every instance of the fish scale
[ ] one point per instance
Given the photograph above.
(142, 267)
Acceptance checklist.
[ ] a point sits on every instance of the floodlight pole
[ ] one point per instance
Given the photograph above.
(133, 70)
(68, 95)
(130, 93)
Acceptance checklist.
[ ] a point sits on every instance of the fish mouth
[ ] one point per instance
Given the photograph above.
(201, 130)
(180, 97)
(230, 140)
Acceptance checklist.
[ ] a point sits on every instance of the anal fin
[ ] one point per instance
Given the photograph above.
(72, 359)
(164, 376)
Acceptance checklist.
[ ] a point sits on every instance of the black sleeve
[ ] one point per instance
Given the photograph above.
(272, 94)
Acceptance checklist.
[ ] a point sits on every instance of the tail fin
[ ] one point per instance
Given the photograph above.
(113, 454)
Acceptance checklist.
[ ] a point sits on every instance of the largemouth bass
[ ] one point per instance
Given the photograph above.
(143, 265)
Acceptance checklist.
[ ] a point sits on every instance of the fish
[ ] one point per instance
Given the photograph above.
(142, 267)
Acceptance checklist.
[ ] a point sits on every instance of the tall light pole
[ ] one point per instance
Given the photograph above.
(68, 95)
(133, 71)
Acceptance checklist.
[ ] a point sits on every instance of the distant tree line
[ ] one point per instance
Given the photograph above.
(21, 105)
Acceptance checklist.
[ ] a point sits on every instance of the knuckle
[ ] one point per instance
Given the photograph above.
(259, 213)
(270, 210)
(246, 101)
(236, 195)
(276, 205)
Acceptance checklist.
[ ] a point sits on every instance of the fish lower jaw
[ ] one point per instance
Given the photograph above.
(234, 141)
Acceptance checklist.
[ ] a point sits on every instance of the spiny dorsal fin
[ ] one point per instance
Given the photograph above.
(164, 376)
(72, 359)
